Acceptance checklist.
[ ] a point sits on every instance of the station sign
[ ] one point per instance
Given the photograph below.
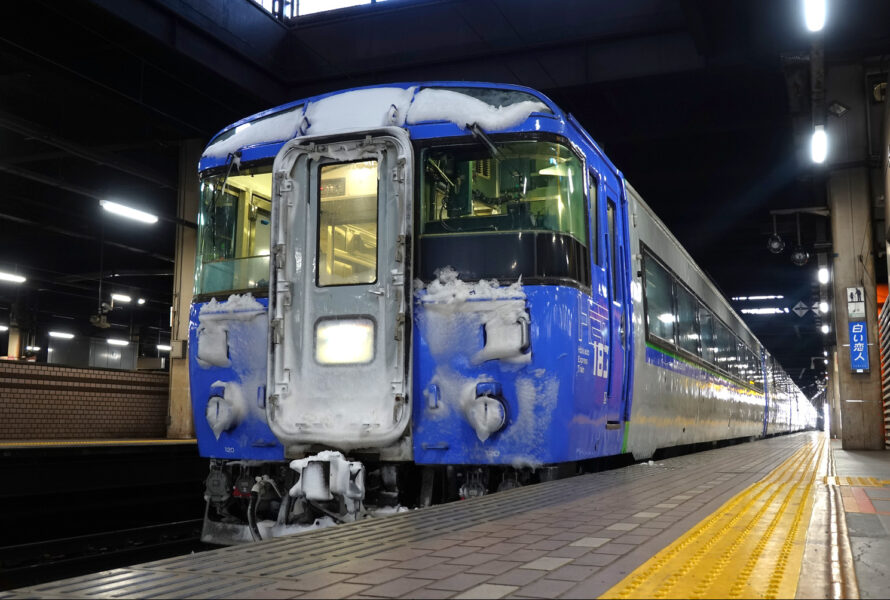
(858, 346)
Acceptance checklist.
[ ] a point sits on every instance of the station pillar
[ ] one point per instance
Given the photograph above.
(179, 411)
(855, 308)
(14, 343)
(859, 389)
(833, 397)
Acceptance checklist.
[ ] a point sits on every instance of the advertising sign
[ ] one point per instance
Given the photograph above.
(858, 346)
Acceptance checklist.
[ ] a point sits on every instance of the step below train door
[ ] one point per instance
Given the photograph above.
(338, 306)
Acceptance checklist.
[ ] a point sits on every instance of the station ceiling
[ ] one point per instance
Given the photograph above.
(703, 105)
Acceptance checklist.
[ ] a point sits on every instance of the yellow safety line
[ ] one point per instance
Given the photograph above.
(33, 444)
(856, 481)
(751, 547)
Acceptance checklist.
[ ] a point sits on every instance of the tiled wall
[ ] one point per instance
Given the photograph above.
(46, 402)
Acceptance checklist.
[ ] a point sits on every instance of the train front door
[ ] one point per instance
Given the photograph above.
(618, 319)
(338, 305)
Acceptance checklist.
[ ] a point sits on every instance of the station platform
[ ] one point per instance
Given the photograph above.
(12, 444)
(791, 516)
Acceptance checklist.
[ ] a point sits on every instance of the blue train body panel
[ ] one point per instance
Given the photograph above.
(556, 404)
(244, 379)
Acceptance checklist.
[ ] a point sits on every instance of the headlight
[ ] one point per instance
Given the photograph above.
(344, 341)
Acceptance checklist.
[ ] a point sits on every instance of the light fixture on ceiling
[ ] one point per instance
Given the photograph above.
(775, 243)
(819, 145)
(814, 14)
(128, 212)
(121, 298)
(799, 256)
(11, 277)
(116, 342)
(61, 335)
(823, 275)
(140, 301)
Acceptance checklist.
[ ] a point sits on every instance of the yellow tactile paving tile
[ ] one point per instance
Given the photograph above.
(751, 547)
(857, 481)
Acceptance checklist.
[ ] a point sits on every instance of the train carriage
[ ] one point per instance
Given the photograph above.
(424, 291)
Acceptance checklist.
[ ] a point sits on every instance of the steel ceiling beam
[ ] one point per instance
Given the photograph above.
(31, 130)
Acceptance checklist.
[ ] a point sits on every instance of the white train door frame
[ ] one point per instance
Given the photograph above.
(338, 305)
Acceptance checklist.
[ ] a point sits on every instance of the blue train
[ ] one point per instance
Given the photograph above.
(412, 293)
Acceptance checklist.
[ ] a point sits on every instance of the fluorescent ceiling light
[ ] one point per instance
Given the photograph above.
(762, 311)
(121, 298)
(164, 347)
(4, 328)
(814, 14)
(823, 275)
(823, 307)
(126, 211)
(825, 329)
(32, 348)
(11, 277)
(115, 342)
(743, 298)
(819, 145)
(61, 334)
(140, 301)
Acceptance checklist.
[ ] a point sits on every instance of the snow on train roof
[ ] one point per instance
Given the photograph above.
(370, 108)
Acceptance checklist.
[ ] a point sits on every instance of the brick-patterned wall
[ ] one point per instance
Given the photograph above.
(46, 402)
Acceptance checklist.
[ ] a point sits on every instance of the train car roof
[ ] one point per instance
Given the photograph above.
(425, 109)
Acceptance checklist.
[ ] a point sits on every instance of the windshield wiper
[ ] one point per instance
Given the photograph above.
(483, 137)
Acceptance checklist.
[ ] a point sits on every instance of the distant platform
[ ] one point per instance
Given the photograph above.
(116, 442)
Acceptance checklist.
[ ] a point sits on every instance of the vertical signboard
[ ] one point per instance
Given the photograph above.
(858, 347)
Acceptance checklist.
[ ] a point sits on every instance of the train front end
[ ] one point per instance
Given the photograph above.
(350, 346)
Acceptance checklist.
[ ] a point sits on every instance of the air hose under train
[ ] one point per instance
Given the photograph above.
(255, 491)
(251, 514)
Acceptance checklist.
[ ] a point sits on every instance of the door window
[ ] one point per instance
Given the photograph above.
(347, 224)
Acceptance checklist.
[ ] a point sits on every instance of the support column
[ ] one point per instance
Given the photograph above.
(834, 394)
(14, 343)
(851, 228)
(179, 411)
(850, 202)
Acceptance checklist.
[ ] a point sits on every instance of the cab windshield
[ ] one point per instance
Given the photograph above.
(234, 227)
(508, 210)
(527, 185)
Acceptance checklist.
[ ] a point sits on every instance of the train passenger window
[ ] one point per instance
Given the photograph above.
(726, 348)
(687, 323)
(659, 306)
(234, 224)
(347, 224)
(708, 334)
(741, 364)
(527, 185)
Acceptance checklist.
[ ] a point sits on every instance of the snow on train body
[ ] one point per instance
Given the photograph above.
(438, 290)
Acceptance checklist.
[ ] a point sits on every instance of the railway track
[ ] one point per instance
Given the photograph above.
(39, 562)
